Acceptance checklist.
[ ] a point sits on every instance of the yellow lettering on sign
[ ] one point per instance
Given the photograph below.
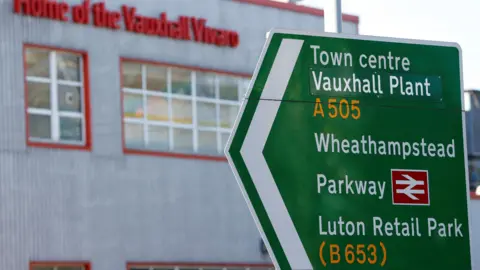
(353, 254)
(318, 108)
(343, 108)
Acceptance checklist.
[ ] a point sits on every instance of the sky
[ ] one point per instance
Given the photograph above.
(444, 20)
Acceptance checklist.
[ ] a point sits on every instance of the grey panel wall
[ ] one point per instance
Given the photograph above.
(472, 120)
(475, 233)
(106, 207)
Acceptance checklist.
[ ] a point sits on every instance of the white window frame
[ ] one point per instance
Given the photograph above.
(54, 112)
(169, 96)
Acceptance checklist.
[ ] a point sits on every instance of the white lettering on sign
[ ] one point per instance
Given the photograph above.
(342, 72)
(386, 62)
(409, 88)
(341, 227)
(366, 145)
(331, 58)
(396, 228)
(449, 229)
(348, 186)
(347, 84)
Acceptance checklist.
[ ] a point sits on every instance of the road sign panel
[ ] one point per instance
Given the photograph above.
(350, 152)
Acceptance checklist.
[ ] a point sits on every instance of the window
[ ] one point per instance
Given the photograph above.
(179, 110)
(56, 97)
(198, 267)
(60, 266)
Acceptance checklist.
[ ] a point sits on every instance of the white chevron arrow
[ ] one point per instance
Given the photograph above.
(252, 153)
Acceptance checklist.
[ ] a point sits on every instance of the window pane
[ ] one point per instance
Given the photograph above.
(38, 95)
(69, 98)
(224, 138)
(205, 85)
(244, 87)
(39, 126)
(132, 105)
(68, 67)
(182, 111)
(207, 114)
(134, 135)
(228, 114)
(157, 78)
(42, 268)
(157, 108)
(207, 142)
(132, 75)
(181, 81)
(70, 268)
(71, 129)
(183, 140)
(37, 63)
(158, 138)
(228, 88)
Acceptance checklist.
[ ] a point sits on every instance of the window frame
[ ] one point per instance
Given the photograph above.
(85, 264)
(193, 98)
(198, 266)
(85, 115)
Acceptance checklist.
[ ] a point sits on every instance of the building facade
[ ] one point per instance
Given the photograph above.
(114, 115)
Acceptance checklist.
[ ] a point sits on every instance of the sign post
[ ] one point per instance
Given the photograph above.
(333, 17)
(350, 152)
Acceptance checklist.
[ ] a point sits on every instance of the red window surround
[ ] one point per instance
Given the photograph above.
(85, 98)
(85, 264)
(297, 8)
(198, 265)
(169, 154)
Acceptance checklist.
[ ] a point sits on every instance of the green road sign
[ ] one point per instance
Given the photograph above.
(350, 151)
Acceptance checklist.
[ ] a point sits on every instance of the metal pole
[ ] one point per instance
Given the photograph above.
(333, 17)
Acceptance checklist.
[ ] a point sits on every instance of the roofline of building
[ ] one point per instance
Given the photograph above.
(297, 8)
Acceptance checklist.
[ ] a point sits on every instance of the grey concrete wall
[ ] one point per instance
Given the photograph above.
(104, 206)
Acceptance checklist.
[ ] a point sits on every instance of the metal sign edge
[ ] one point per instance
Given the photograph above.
(365, 37)
(465, 153)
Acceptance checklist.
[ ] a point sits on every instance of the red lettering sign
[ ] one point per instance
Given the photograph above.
(42, 8)
(98, 15)
(410, 187)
